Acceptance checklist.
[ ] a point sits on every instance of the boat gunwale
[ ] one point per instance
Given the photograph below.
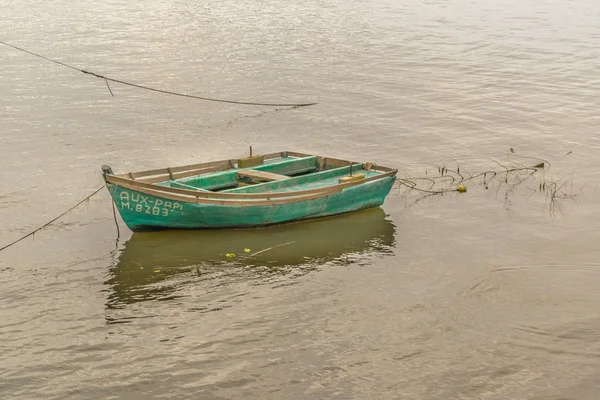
(244, 199)
(184, 171)
(250, 199)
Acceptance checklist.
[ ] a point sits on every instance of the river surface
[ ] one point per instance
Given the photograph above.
(491, 294)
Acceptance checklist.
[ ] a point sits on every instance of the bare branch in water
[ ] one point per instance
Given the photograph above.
(441, 180)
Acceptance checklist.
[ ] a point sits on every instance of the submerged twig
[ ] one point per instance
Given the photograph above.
(270, 248)
(443, 180)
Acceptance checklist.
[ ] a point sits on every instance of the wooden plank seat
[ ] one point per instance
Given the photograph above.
(261, 175)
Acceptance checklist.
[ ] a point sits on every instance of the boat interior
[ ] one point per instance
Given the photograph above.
(277, 172)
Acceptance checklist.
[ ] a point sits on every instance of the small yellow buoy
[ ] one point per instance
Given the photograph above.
(246, 250)
(230, 255)
(461, 189)
(351, 178)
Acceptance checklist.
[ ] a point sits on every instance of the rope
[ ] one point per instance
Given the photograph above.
(107, 79)
(51, 221)
(116, 223)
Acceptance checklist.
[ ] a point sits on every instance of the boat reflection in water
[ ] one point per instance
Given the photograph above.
(155, 265)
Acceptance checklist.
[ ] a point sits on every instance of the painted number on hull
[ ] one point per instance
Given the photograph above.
(142, 204)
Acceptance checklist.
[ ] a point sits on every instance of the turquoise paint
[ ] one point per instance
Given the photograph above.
(312, 181)
(219, 180)
(180, 185)
(145, 212)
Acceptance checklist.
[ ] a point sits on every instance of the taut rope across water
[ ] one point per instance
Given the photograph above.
(108, 79)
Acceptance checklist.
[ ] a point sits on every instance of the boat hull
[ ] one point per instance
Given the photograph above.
(142, 212)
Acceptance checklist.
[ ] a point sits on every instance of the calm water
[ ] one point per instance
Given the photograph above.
(488, 295)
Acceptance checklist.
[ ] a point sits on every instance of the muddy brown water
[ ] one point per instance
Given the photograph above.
(486, 295)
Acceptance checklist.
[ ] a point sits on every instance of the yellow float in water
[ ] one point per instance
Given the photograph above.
(461, 189)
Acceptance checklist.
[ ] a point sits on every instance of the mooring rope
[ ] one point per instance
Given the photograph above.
(54, 219)
(107, 79)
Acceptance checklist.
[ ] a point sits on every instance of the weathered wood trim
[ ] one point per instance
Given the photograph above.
(382, 169)
(213, 195)
(270, 156)
(288, 184)
(336, 162)
(321, 163)
(159, 192)
(184, 186)
(150, 172)
(296, 154)
(143, 181)
(267, 176)
(199, 172)
(164, 172)
(174, 170)
(221, 163)
(196, 172)
(239, 198)
(186, 174)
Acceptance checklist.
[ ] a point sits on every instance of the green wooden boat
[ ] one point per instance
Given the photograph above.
(248, 192)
